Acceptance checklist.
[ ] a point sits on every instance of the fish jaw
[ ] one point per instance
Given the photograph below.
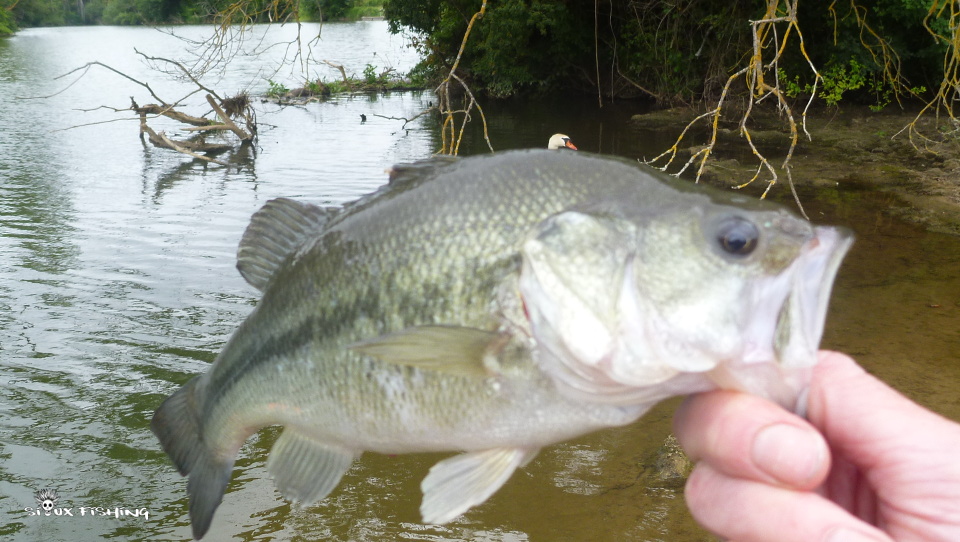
(781, 370)
(801, 321)
(623, 345)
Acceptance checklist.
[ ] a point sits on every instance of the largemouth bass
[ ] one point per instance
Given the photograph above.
(495, 305)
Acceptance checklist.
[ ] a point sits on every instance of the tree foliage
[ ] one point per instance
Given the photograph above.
(28, 13)
(777, 38)
(673, 51)
(7, 23)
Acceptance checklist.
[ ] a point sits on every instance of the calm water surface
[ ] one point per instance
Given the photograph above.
(117, 284)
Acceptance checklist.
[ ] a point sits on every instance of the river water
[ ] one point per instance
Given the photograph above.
(117, 284)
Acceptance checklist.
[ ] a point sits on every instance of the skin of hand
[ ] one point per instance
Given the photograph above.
(868, 464)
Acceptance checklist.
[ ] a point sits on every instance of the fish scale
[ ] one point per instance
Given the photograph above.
(494, 305)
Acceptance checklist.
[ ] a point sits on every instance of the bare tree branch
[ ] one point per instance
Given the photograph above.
(765, 37)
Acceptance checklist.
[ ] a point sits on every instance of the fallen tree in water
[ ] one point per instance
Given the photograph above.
(232, 115)
(238, 106)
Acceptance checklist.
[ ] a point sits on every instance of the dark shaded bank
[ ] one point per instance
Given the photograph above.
(850, 148)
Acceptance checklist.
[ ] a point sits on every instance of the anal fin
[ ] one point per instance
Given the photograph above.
(306, 470)
(456, 484)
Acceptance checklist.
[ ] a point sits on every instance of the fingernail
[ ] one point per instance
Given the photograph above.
(843, 534)
(790, 454)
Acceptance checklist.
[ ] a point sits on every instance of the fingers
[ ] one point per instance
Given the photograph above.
(895, 463)
(749, 511)
(869, 422)
(757, 467)
(751, 438)
(907, 454)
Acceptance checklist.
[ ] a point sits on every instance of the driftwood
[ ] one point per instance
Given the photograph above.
(208, 128)
(197, 124)
(169, 112)
(343, 73)
(179, 148)
(228, 110)
(190, 148)
(244, 136)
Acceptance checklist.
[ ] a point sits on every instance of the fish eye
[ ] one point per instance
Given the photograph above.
(738, 236)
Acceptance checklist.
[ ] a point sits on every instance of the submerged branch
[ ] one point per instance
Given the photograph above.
(244, 136)
(226, 109)
(179, 148)
(343, 72)
(169, 112)
(405, 120)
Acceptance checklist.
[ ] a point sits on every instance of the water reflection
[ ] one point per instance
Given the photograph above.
(117, 285)
(117, 278)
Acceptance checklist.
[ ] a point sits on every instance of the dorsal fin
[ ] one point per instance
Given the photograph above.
(274, 233)
(404, 173)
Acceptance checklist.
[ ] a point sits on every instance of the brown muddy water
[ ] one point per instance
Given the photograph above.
(117, 284)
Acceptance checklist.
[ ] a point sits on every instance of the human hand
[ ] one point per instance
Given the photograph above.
(868, 465)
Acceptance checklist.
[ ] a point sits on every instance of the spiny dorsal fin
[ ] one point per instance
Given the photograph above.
(274, 233)
(403, 173)
(447, 349)
(456, 484)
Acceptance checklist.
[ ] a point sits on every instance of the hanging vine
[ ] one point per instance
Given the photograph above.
(761, 80)
(949, 90)
(451, 135)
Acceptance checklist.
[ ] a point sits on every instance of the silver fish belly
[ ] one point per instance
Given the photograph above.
(494, 305)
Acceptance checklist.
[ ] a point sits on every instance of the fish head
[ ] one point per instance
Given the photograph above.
(636, 299)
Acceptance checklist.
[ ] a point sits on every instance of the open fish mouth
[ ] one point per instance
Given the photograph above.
(802, 317)
(636, 358)
(783, 375)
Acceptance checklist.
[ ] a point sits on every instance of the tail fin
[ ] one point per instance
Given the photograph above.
(177, 424)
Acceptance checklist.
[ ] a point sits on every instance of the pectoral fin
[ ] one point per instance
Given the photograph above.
(448, 349)
(306, 470)
(454, 485)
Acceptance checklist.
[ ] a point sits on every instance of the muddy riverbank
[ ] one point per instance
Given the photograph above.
(851, 147)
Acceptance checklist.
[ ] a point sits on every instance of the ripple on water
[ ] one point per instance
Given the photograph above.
(117, 285)
(117, 267)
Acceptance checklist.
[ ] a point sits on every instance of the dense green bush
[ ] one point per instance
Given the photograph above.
(28, 13)
(132, 12)
(850, 56)
(676, 51)
(624, 47)
(41, 13)
(7, 24)
(505, 52)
